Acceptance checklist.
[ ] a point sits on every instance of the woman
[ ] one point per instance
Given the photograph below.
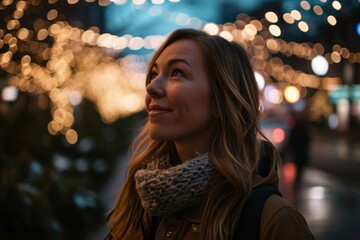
(196, 160)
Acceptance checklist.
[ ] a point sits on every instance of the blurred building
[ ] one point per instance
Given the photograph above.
(72, 86)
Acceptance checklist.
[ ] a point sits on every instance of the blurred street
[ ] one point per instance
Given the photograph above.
(328, 196)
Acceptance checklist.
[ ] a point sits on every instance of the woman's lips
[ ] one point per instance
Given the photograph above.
(157, 110)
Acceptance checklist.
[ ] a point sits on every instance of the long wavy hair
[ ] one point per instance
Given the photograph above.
(234, 152)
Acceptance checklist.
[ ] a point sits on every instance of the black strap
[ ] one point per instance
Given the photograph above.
(248, 227)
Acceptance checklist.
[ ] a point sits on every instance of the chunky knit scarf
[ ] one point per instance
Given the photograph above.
(165, 189)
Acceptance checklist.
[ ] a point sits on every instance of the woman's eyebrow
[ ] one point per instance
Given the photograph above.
(173, 61)
(176, 60)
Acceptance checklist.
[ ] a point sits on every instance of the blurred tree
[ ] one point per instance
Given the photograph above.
(49, 188)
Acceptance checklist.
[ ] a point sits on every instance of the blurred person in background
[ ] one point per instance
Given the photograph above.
(201, 168)
(299, 144)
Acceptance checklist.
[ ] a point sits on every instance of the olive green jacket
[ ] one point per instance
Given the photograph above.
(279, 221)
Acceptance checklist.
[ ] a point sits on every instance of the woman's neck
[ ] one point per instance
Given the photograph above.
(188, 152)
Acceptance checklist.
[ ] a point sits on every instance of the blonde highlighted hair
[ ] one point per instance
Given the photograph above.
(234, 151)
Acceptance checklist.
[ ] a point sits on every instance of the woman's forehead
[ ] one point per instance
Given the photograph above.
(182, 49)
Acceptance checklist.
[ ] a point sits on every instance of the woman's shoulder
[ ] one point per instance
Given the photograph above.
(275, 203)
(280, 220)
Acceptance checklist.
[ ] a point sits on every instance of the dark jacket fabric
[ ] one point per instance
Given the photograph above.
(279, 220)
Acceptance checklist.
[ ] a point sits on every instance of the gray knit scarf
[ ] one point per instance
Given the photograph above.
(165, 189)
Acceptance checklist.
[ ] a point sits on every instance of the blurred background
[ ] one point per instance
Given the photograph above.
(72, 78)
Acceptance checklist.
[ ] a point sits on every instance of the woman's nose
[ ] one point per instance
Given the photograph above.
(155, 88)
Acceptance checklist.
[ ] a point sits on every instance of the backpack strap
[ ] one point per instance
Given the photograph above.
(248, 226)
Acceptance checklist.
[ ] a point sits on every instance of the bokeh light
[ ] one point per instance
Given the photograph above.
(272, 94)
(278, 135)
(292, 94)
(319, 65)
(331, 20)
(271, 17)
(211, 28)
(275, 30)
(336, 5)
(69, 69)
(260, 80)
(9, 93)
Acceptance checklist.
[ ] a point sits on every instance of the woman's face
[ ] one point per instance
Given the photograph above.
(179, 99)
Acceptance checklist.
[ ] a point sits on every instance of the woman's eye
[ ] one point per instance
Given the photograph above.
(177, 73)
(153, 75)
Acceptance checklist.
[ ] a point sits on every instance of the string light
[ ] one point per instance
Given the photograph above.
(318, 10)
(305, 5)
(271, 17)
(336, 5)
(116, 85)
